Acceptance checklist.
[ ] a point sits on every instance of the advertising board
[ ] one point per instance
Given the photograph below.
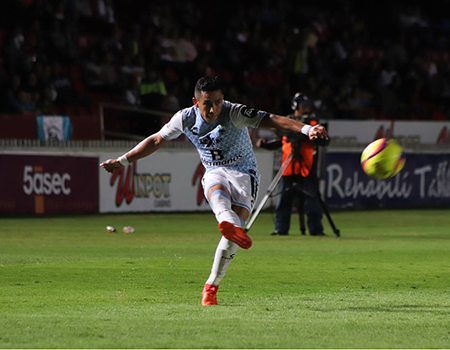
(48, 184)
(423, 182)
(169, 180)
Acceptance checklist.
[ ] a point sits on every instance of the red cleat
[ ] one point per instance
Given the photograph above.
(235, 234)
(209, 295)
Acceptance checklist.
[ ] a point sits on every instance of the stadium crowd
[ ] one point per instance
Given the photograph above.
(356, 60)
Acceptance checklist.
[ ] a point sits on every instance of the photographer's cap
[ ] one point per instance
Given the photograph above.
(300, 99)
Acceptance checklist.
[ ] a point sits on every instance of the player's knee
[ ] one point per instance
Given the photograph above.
(220, 201)
(220, 196)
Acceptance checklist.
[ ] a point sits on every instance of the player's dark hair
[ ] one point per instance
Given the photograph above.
(207, 83)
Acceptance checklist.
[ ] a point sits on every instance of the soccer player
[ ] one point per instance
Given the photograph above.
(218, 129)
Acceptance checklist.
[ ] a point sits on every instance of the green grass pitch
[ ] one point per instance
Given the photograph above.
(66, 283)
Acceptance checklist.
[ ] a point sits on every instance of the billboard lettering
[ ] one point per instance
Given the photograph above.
(48, 184)
(424, 182)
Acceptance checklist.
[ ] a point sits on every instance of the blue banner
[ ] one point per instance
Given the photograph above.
(423, 182)
(54, 127)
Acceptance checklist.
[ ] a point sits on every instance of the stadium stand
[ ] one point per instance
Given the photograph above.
(67, 57)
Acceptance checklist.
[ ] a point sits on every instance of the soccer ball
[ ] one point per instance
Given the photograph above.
(382, 159)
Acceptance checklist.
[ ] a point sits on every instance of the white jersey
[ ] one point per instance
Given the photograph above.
(223, 143)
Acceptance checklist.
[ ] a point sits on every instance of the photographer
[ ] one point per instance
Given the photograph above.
(299, 180)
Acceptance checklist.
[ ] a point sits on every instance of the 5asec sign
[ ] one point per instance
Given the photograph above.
(48, 184)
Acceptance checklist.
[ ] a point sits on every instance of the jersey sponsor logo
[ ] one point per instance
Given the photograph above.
(249, 112)
(216, 154)
(221, 163)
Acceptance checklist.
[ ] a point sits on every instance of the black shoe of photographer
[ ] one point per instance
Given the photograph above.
(317, 234)
(276, 233)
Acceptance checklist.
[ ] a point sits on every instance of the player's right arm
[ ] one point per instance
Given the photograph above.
(285, 124)
(242, 116)
(269, 144)
(151, 144)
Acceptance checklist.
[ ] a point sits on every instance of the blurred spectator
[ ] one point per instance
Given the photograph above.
(60, 11)
(22, 103)
(35, 42)
(388, 73)
(100, 74)
(187, 51)
(83, 7)
(105, 10)
(32, 84)
(132, 67)
(13, 92)
(113, 43)
(62, 42)
(14, 51)
(171, 102)
(153, 90)
(47, 105)
(169, 40)
(64, 91)
(62, 84)
(45, 75)
(132, 94)
(132, 41)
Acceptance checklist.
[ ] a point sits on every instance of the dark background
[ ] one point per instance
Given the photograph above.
(355, 59)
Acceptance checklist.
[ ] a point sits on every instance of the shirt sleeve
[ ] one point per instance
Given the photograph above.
(243, 116)
(174, 128)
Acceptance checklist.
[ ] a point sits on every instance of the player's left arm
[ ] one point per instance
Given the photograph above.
(285, 124)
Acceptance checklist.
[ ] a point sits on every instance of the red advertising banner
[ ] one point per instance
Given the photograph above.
(48, 184)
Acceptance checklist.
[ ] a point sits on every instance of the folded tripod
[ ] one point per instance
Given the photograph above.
(269, 193)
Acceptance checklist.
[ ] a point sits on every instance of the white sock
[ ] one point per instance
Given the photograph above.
(220, 203)
(225, 252)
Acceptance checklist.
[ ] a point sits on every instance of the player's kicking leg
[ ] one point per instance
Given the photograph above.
(218, 189)
(233, 236)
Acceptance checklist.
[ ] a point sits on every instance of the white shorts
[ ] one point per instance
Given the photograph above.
(243, 187)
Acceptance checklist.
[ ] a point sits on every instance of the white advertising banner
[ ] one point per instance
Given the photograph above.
(168, 180)
(428, 132)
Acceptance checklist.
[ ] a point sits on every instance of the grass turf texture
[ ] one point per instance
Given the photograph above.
(66, 283)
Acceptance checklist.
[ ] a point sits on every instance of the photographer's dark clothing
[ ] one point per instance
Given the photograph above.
(290, 187)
